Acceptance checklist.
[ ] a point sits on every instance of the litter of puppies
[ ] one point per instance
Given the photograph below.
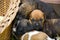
(34, 15)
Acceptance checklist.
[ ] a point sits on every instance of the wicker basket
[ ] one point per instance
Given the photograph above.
(8, 10)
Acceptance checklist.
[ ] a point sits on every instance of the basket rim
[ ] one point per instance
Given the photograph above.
(10, 14)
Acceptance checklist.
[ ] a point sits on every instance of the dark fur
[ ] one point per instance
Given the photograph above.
(57, 26)
(49, 29)
(47, 9)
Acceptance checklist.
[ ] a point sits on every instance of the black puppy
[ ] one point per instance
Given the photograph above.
(22, 26)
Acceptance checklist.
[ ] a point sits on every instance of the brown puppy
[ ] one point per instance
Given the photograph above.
(35, 35)
(37, 19)
(26, 7)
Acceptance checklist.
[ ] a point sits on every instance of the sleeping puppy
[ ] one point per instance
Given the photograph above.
(36, 35)
(54, 23)
(26, 7)
(22, 26)
(37, 19)
(49, 28)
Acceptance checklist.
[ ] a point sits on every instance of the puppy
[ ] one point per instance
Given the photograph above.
(55, 23)
(36, 35)
(49, 29)
(22, 26)
(26, 8)
(37, 19)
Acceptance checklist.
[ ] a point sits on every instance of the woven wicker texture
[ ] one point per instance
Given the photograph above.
(8, 10)
(4, 4)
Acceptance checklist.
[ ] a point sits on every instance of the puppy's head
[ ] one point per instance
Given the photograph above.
(37, 15)
(22, 26)
(37, 18)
